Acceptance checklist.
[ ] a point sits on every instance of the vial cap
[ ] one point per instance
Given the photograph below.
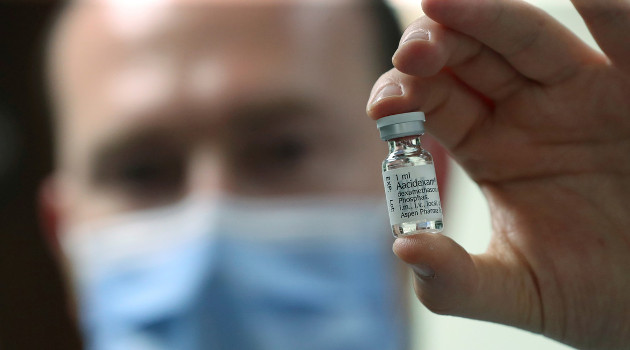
(400, 125)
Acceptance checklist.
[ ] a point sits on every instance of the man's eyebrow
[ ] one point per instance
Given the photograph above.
(253, 115)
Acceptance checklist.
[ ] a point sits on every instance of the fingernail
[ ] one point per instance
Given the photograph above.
(420, 34)
(423, 271)
(389, 90)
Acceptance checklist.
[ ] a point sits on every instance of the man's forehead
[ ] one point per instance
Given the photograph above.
(120, 16)
(104, 30)
(239, 2)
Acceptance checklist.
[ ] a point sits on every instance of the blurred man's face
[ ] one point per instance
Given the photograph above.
(233, 99)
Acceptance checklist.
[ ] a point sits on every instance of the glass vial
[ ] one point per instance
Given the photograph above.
(411, 191)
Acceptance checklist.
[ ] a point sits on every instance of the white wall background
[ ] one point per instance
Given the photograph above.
(467, 219)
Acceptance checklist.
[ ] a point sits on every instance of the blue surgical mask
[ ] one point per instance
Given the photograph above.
(239, 274)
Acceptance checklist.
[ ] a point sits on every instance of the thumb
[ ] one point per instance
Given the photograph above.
(449, 281)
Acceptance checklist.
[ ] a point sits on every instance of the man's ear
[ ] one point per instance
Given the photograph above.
(52, 210)
(50, 205)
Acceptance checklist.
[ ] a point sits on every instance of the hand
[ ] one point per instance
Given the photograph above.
(542, 123)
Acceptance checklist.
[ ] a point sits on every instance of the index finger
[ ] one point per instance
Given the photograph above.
(532, 41)
(609, 22)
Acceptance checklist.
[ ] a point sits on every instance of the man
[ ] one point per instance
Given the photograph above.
(215, 186)
(541, 122)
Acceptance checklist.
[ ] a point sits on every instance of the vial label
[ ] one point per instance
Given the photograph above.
(412, 194)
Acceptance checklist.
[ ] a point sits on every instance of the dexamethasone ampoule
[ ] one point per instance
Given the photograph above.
(411, 191)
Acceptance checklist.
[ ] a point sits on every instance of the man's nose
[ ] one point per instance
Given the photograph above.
(208, 172)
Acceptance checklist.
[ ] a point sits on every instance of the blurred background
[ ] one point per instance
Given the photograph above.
(34, 313)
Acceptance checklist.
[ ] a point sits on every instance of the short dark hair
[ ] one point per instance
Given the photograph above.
(388, 30)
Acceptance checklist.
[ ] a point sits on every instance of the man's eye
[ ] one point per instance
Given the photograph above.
(287, 152)
(150, 177)
(278, 154)
(274, 159)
